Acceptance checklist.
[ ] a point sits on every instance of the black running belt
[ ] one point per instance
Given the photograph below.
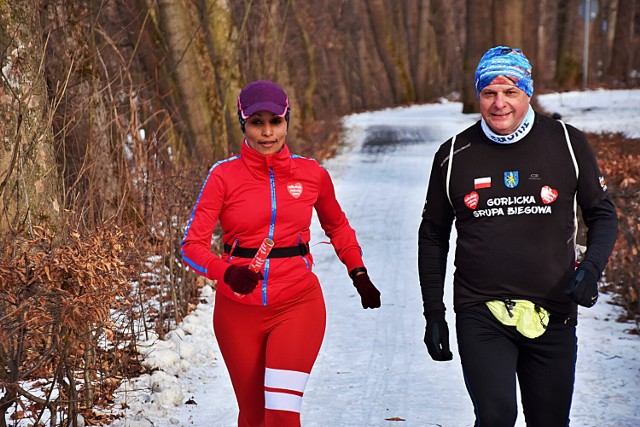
(291, 251)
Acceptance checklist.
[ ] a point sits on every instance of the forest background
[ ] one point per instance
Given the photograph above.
(113, 111)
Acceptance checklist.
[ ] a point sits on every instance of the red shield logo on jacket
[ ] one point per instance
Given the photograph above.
(295, 189)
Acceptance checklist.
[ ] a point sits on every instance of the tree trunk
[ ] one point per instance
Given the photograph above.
(391, 48)
(29, 184)
(339, 96)
(570, 51)
(424, 61)
(449, 33)
(621, 48)
(478, 42)
(509, 23)
(222, 42)
(180, 32)
(307, 104)
(538, 46)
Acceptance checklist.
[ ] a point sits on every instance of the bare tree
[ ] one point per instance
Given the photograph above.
(570, 48)
(509, 23)
(479, 39)
(307, 104)
(386, 22)
(367, 76)
(621, 48)
(29, 184)
(222, 39)
(180, 35)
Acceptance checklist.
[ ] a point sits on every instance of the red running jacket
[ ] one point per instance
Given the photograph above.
(256, 196)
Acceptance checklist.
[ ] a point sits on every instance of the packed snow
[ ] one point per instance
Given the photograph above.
(373, 368)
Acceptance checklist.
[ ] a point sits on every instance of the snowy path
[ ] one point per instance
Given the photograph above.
(373, 369)
(374, 365)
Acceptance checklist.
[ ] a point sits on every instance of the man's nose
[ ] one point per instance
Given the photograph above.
(499, 100)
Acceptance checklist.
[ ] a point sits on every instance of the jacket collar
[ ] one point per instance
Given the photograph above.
(260, 164)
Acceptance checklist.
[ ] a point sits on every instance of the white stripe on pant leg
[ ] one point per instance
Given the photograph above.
(285, 379)
(282, 401)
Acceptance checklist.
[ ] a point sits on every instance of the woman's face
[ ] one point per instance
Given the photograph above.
(265, 132)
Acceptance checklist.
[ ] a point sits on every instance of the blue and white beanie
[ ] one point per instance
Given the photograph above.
(507, 62)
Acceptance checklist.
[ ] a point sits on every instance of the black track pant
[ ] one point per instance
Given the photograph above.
(493, 354)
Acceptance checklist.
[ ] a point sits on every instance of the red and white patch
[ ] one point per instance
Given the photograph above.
(548, 195)
(471, 200)
(484, 182)
(295, 189)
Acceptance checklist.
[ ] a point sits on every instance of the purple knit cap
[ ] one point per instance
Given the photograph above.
(262, 95)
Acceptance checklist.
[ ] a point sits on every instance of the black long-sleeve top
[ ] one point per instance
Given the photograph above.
(514, 211)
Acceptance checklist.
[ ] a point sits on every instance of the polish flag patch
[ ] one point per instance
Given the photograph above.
(471, 200)
(295, 189)
(548, 195)
(482, 182)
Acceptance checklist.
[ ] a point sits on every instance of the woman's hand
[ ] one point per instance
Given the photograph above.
(369, 294)
(241, 279)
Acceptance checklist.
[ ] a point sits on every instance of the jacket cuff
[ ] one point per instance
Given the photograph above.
(355, 271)
(216, 269)
(352, 259)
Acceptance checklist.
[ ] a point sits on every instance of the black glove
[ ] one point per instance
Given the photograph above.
(583, 288)
(369, 294)
(436, 337)
(241, 279)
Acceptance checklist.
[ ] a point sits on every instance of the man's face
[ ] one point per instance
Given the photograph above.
(503, 106)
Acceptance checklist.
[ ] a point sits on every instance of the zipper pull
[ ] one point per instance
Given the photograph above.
(541, 315)
(509, 305)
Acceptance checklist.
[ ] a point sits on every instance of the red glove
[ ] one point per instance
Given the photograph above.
(369, 294)
(241, 279)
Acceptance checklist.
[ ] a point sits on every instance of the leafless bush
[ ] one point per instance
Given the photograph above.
(73, 307)
(619, 160)
(58, 343)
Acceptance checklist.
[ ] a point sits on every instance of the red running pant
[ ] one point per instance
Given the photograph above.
(269, 352)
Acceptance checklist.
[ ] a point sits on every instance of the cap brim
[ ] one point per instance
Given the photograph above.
(276, 109)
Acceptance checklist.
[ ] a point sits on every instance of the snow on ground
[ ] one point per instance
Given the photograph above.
(373, 368)
(596, 111)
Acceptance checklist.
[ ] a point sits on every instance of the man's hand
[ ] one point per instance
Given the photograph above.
(436, 337)
(583, 288)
